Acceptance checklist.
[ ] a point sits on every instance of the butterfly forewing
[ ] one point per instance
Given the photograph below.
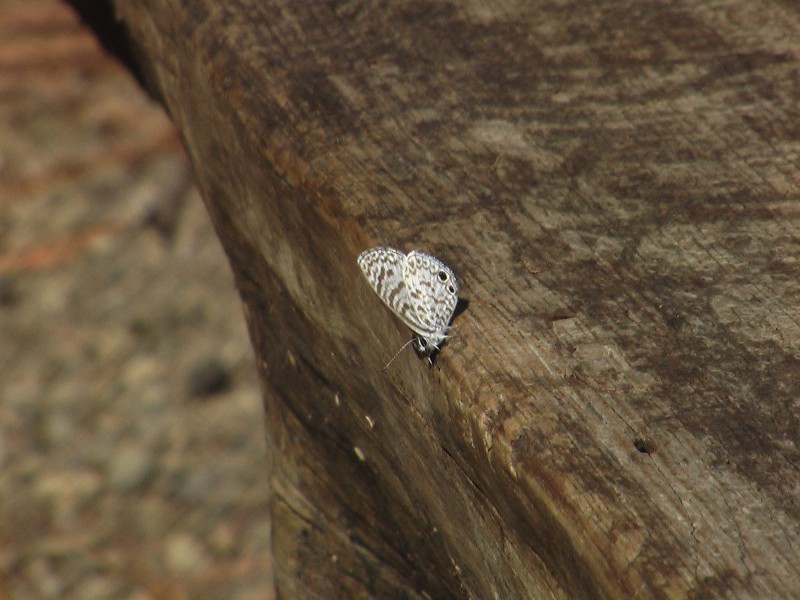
(383, 268)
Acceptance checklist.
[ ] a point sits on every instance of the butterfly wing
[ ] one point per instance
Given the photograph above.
(383, 268)
(432, 290)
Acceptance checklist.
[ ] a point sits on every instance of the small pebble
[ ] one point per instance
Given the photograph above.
(185, 553)
(129, 467)
(9, 296)
(208, 377)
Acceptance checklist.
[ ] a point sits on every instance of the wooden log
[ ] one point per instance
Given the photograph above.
(616, 186)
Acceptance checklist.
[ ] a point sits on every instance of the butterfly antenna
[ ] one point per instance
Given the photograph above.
(396, 354)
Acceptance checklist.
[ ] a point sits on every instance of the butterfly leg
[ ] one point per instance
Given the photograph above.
(426, 349)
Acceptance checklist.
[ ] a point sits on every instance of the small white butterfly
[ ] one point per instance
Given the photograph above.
(418, 288)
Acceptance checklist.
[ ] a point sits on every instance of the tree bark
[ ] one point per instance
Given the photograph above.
(616, 186)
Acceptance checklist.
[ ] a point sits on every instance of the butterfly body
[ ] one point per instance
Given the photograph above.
(417, 287)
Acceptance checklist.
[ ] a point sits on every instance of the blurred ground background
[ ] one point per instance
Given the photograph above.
(131, 427)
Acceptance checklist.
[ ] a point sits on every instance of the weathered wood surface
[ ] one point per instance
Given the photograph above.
(616, 185)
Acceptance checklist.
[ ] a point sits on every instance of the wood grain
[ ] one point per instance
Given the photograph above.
(615, 185)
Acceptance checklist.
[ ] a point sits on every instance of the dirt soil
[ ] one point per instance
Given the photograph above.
(131, 427)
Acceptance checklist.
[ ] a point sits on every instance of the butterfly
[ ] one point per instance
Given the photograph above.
(418, 288)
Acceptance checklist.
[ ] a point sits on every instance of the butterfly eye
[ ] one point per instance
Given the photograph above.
(443, 276)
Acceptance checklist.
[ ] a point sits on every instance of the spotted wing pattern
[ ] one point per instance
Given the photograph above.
(383, 268)
(433, 292)
(417, 287)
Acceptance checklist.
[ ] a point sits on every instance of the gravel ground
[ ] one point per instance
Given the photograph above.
(131, 426)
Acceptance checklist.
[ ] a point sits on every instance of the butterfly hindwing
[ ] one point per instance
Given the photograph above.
(433, 293)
